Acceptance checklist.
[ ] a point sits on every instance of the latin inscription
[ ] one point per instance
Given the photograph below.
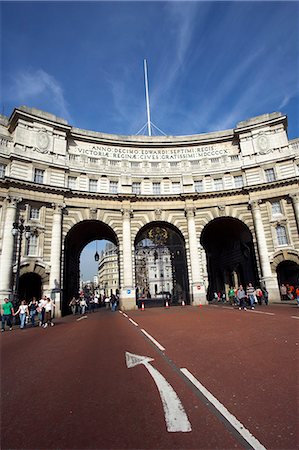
(151, 154)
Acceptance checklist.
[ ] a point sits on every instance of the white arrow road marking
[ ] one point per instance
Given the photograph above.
(175, 416)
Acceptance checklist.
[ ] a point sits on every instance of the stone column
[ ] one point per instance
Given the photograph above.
(295, 201)
(268, 278)
(127, 298)
(55, 258)
(197, 285)
(6, 287)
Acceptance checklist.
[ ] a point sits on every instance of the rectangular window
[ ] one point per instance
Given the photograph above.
(156, 188)
(93, 185)
(198, 186)
(136, 187)
(270, 175)
(238, 181)
(218, 184)
(176, 187)
(281, 233)
(2, 170)
(34, 213)
(72, 182)
(113, 187)
(39, 176)
(32, 245)
(276, 208)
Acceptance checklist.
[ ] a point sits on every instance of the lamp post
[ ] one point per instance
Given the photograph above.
(18, 230)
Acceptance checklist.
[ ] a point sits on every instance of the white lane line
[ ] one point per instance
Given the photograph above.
(153, 340)
(225, 413)
(261, 312)
(295, 317)
(132, 321)
(125, 315)
(120, 312)
(80, 318)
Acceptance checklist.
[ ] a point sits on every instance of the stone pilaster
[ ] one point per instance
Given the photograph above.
(197, 285)
(268, 278)
(295, 202)
(55, 261)
(8, 248)
(127, 298)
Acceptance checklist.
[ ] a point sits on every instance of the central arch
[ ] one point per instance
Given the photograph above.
(231, 260)
(77, 238)
(161, 265)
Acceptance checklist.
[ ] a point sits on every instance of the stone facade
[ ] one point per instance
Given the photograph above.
(72, 186)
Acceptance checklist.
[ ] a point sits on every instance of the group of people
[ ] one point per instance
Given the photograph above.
(243, 298)
(84, 304)
(43, 310)
(289, 292)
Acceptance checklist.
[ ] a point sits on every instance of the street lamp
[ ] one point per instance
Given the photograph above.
(96, 255)
(18, 230)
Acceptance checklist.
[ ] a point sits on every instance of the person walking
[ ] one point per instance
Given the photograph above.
(241, 296)
(297, 295)
(8, 312)
(41, 310)
(73, 305)
(49, 313)
(83, 305)
(33, 305)
(23, 313)
(265, 295)
(250, 291)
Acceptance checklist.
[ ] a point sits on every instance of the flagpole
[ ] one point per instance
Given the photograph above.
(147, 99)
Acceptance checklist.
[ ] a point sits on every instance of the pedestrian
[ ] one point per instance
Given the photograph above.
(83, 305)
(297, 295)
(33, 305)
(73, 305)
(41, 310)
(265, 295)
(113, 301)
(23, 313)
(232, 296)
(259, 295)
(8, 312)
(241, 296)
(92, 304)
(283, 292)
(250, 295)
(96, 301)
(49, 313)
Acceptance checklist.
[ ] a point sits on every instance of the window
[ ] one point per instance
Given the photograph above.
(270, 175)
(113, 187)
(238, 181)
(39, 175)
(34, 213)
(32, 245)
(72, 182)
(218, 184)
(276, 208)
(176, 187)
(281, 233)
(93, 185)
(136, 187)
(198, 186)
(2, 170)
(157, 188)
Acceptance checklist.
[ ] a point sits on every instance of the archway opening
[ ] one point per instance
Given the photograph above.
(288, 273)
(160, 266)
(230, 255)
(30, 285)
(84, 233)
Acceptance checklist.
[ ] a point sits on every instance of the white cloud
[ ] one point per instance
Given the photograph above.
(39, 87)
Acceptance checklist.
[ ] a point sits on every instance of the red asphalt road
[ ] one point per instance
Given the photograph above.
(68, 387)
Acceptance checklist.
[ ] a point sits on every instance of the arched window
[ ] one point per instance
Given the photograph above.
(281, 233)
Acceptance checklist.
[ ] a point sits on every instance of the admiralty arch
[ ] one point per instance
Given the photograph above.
(219, 209)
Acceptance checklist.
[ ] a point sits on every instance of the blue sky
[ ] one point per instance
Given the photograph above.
(210, 64)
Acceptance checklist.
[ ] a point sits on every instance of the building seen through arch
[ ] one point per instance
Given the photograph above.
(187, 214)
